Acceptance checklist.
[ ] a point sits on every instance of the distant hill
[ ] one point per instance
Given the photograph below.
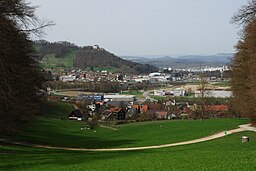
(66, 54)
(184, 61)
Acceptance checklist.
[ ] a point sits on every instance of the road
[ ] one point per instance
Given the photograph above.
(146, 96)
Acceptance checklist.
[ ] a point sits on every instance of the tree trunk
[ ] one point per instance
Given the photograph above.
(253, 120)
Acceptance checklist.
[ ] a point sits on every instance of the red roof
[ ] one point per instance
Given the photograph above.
(116, 109)
(143, 108)
(217, 108)
(135, 106)
(161, 113)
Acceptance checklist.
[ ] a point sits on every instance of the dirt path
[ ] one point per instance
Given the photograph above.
(241, 128)
(108, 127)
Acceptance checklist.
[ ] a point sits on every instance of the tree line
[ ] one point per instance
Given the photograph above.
(20, 75)
(243, 67)
(87, 56)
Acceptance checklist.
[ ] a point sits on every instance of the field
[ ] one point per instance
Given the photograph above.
(222, 84)
(49, 61)
(52, 128)
(227, 153)
(71, 93)
(138, 94)
(158, 97)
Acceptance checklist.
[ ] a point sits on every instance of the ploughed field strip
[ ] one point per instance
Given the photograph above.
(241, 128)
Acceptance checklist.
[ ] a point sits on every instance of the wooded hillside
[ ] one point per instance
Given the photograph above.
(66, 54)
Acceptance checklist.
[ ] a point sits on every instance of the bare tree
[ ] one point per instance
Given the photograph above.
(243, 82)
(245, 14)
(202, 87)
(19, 73)
(23, 15)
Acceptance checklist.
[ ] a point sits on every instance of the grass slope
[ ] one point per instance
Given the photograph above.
(227, 153)
(53, 129)
(138, 94)
(50, 61)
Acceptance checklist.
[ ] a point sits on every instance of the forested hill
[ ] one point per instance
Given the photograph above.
(65, 54)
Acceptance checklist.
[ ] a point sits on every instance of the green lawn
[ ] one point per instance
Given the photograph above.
(138, 94)
(158, 97)
(54, 129)
(226, 153)
(50, 61)
(222, 84)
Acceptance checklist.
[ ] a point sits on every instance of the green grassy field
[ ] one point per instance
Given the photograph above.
(226, 153)
(222, 84)
(158, 97)
(49, 61)
(54, 129)
(138, 94)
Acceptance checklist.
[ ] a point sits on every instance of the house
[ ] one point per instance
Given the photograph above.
(159, 93)
(119, 98)
(69, 78)
(136, 109)
(118, 103)
(140, 108)
(76, 115)
(161, 114)
(217, 110)
(90, 97)
(114, 114)
(214, 93)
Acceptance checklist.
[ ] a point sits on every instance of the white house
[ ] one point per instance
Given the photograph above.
(215, 93)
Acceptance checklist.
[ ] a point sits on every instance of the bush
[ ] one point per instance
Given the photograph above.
(92, 124)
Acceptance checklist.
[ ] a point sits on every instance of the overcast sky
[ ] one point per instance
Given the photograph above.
(144, 27)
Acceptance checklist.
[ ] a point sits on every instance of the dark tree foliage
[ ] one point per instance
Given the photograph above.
(102, 58)
(58, 49)
(244, 64)
(20, 77)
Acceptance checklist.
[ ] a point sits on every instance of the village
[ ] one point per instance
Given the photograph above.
(127, 85)
(170, 94)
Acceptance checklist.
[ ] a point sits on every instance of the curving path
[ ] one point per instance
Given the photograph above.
(108, 127)
(241, 128)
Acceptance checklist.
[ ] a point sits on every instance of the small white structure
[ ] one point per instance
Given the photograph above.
(179, 92)
(245, 139)
(92, 107)
(214, 93)
(118, 97)
(159, 93)
(96, 47)
(105, 73)
(155, 74)
(141, 79)
(69, 78)
(159, 77)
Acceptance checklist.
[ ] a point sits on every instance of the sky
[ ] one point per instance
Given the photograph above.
(144, 27)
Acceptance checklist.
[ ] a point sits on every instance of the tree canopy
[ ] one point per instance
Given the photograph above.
(19, 74)
(244, 63)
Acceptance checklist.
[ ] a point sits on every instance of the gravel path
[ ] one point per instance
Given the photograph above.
(241, 128)
(108, 127)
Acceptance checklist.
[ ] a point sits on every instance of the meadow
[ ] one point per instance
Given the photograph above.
(226, 153)
(52, 127)
(137, 93)
(50, 61)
